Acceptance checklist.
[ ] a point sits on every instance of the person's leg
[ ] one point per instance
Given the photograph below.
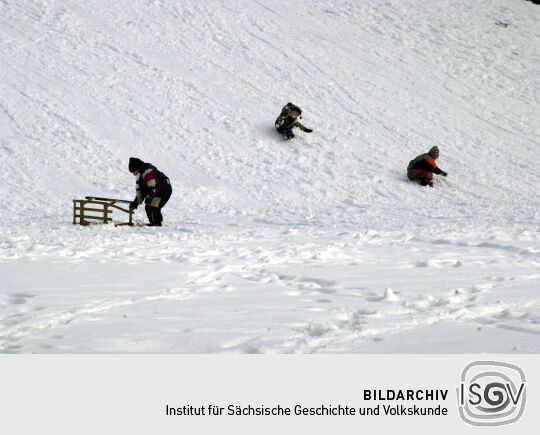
(286, 132)
(158, 217)
(150, 213)
(424, 177)
(427, 179)
(289, 134)
(153, 209)
(165, 195)
(416, 174)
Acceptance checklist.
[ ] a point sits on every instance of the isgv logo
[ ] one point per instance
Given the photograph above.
(491, 393)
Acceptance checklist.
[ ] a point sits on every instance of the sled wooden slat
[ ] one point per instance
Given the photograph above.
(109, 200)
(93, 209)
(95, 217)
(96, 208)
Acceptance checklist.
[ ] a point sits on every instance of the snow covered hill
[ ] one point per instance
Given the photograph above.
(320, 244)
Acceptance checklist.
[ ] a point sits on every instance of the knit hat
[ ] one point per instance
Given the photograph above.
(434, 152)
(294, 108)
(135, 164)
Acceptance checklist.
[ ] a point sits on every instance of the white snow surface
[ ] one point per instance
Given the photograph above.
(319, 244)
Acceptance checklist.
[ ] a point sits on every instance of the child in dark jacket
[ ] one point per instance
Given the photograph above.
(288, 119)
(153, 187)
(423, 167)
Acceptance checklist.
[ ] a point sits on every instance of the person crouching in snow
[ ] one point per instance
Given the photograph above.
(153, 187)
(288, 119)
(423, 167)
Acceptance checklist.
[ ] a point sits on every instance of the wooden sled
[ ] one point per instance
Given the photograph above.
(95, 209)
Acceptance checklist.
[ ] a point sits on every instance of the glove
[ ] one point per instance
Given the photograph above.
(444, 174)
(133, 204)
(308, 130)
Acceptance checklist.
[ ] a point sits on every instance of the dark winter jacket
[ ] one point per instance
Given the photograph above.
(287, 122)
(150, 182)
(424, 162)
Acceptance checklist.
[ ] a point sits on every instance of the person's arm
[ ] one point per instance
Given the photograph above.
(432, 166)
(302, 127)
(153, 185)
(436, 170)
(138, 195)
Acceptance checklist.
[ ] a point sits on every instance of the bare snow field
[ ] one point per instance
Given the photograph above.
(319, 244)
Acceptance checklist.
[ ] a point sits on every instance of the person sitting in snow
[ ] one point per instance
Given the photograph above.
(288, 119)
(153, 187)
(422, 167)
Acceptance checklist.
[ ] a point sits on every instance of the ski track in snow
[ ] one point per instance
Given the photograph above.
(314, 245)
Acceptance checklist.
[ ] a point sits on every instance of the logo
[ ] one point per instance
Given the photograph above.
(491, 393)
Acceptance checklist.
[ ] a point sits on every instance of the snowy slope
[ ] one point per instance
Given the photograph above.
(272, 246)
